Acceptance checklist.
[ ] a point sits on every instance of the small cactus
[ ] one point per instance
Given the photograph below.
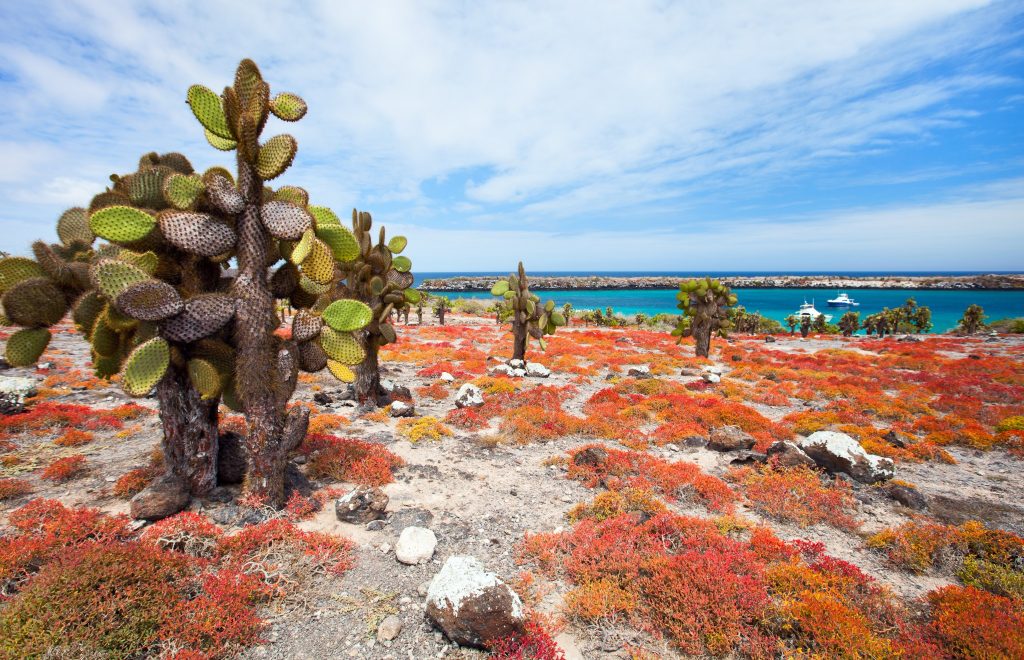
(529, 317)
(705, 304)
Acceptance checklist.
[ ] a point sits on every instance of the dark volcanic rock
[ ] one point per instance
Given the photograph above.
(165, 497)
(471, 605)
(730, 438)
(361, 505)
(787, 454)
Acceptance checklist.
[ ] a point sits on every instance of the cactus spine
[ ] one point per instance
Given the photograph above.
(529, 317)
(705, 304)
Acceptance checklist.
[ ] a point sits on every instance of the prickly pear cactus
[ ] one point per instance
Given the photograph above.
(374, 281)
(705, 304)
(529, 317)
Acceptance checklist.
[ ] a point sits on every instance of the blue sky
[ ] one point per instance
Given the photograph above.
(861, 135)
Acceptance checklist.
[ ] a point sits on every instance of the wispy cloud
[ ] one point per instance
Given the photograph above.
(594, 117)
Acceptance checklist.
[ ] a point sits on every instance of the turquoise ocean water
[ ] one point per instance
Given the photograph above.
(946, 306)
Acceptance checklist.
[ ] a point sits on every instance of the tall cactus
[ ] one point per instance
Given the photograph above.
(705, 304)
(379, 277)
(529, 317)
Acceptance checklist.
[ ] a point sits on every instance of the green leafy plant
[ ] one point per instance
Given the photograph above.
(705, 304)
(849, 323)
(529, 317)
(972, 320)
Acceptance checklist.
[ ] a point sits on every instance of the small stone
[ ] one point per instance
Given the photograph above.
(422, 589)
(389, 628)
(712, 369)
(375, 525)
(166, 497)
(694, 441)
(384, 548)
(591, 456)
(361, 505)
(537, 370)
(730, 438)
(322, 398)
(641, 372)
(402, 409)
(447, 377)
(13, 392)
(500, 370)
(672, 446)
(906, 495)
(388, 386)
(518, 373)
(711, 378)
(770, 339)
(415, 545)
(469, 396)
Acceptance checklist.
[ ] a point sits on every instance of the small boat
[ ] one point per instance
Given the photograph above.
(807, 309)
(843, 300)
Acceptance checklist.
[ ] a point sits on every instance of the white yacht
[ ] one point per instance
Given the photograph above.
(807, 309)
(843, 300)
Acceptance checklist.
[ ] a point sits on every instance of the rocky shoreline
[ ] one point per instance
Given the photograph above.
(550, 282)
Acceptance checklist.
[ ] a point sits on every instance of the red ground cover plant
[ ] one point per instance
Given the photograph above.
(466, 419)
(535, 644)
(300, 507)
(133, 481)
(64, 469)
(47, 416)
(976, 624)
(74, 438)
(11, 488)
(277, 547)
(437, 390)
(349, 459)
(798, 494)
(919, 545)
(615, 469)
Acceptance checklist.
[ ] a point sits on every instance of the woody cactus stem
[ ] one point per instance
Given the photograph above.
(529, 317)
(705, 304)
(190, 440)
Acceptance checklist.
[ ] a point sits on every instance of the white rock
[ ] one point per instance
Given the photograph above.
(447, 377)
(415, 545)
(537, 370)
(387, 385)
(642, 371)
(472, 605)
(500, 370)
(711, 377)
(712, 369)
(469, 396)
(838, 452)
(401, 409)
(516, 364)
(518, 373)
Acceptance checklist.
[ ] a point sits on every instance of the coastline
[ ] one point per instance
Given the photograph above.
(598, 282)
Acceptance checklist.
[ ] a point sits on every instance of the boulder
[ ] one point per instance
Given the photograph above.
(165, 497)
(711, 378)
(537, 370)
(518, 373)
(838, 452)
(906, 495)
(415, 545)
(517, 364)
(592, 456)
(748, 458)
(13, 392)
(500, 370)
(730, 438)
(770, 339)
(469, 396)
(641, 372)
(402, 409)
(787, 454)
(447, 377)
(472, 605)
(361, 505)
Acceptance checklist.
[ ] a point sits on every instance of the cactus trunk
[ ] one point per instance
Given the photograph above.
(519, 338)
(367, 383)
(190, 431)
(267, 442)
(702, 338)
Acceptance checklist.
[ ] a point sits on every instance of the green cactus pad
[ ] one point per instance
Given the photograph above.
(105, 342)
(205, 378)
(557, 318)
(342, 243)
(25, 346)
(499, 288)
(197, 233)
(275, 155)
(313, 288)
(34, 302)
(302, 249)
(121, 224)
(146, 365)
(182, 191)
(324, 216)
(119, 322)
(86, 311)
(312, 357)
(73, 226)
(285, 221)
(222, 193)
(151, 300)
(402, 264)
(111, 276)
(146, 187)
(341, 347)
(397, 244)
(17, 269)
(293, 195)
(203, 315)
(319, 264)
(219, 143)
(341, 371)
(387, 331)
(306, 326)
(412, 296)
(144, 261)
(376, 285)
(288, 107)
(347, 315)
(209, 110)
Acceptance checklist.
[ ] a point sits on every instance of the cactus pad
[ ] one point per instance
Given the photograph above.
(324, 216)
(341, 371)
(397, 244)
(17, 269)
(284, 280)
(26, 346)
(73, 226)
(146, 365)
(292, 194)
(401, 264)
(105, 342)
(111, 276)
(347, 315)
(177, 162)
(121, 224)
(343, 244)
(209, 110)
(203, 315)
(223, 194)
(412, 296)
(499, 288)
(312, 357)
(219, 143)
(306, 326)
(150, 300)
(34, 302)
(319, 263)
(288, 107)
(197, 233)
(285, 221)
(302, 249)
(146, 187)
(341, 347)
(205, 377)
(275, 156)
(182, 191)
